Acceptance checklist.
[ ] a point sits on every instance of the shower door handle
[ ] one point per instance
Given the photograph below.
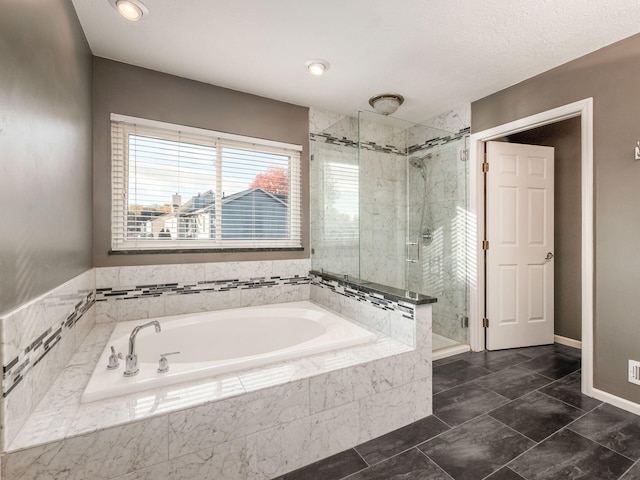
(408, 252)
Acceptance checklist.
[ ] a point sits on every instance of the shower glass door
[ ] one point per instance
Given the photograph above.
(437, 226)
(389, 206)
(335, 205)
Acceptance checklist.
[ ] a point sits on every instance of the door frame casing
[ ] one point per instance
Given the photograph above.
(584, 110)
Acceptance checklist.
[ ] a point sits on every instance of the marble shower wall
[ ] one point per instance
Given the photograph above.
(441, 207)
(376, 251)
(383, 193)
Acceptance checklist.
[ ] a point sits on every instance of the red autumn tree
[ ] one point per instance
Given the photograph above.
(275, 180)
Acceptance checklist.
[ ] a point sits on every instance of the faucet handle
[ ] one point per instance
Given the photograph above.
(163, 364)
(113, 359)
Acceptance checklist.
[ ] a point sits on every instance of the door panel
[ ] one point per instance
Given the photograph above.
(519, 212)
(508, 294)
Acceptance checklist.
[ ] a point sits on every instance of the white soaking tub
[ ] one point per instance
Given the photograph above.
(223, 341)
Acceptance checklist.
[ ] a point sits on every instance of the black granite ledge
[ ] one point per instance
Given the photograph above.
(390, 293)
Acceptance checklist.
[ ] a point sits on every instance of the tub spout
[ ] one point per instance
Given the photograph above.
(132, 358)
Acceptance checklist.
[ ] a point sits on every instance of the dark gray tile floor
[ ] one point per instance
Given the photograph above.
(507, 415)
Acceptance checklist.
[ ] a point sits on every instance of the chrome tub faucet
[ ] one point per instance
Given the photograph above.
(132, 358)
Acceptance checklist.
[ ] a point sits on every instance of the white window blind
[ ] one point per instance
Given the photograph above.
(341, 202)
(178, 187)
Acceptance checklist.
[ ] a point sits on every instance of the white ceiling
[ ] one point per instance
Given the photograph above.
(437, 53)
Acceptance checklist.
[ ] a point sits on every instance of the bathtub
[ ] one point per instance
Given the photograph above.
(223, 341)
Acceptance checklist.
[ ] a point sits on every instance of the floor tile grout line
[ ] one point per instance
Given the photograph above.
(566, 403)
(436, 416)
(551, 379)
(363, 459)
(435, 463)
(519, 433)
(382, 461)
(628, 469)
(357, 471)
(509, 400)
(603, 446)
(595, 441)
(504, 466)
(544, 439)
(409, 447)
(412, 446)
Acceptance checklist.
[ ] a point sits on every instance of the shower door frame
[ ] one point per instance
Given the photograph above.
(584, 110)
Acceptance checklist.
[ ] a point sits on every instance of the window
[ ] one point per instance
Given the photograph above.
(178, 187)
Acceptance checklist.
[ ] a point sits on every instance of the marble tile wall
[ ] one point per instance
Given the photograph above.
(133, 293)
(38, 339)
(393, 319)
(258, 434)
(442, 271)
(383, 217)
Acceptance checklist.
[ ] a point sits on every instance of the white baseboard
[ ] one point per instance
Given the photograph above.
(569, 342)
(616, 401)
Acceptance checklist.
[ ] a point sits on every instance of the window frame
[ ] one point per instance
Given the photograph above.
(122, 126)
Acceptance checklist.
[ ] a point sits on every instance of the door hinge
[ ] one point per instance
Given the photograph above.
(485, 322)
(485, 167)
(485, 244)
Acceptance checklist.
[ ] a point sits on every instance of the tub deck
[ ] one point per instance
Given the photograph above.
(222, 342)
(61, 414)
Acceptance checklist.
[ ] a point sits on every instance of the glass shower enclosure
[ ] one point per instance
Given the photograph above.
(389, 206)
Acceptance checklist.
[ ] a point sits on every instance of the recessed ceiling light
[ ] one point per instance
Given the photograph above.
(132, 10)
(317, 66)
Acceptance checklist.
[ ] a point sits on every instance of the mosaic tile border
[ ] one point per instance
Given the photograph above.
(16, 369)
(190, 288)
(372, 146)
(434, 142)
(375, 299)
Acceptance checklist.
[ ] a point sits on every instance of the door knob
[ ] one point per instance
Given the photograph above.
(549, 256)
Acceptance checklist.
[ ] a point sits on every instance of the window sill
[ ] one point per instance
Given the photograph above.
(204, 250)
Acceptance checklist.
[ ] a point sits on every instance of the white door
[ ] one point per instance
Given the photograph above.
(519, 215)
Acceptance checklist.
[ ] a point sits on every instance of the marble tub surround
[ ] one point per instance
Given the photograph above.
(377, 293)
(61, 405)
(252, 423)
(406, 320)
(133, 293)
(38, 339)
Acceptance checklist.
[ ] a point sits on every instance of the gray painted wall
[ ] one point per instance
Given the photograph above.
(45, 149)
(135, 91)
(565, 138)
(610, 76)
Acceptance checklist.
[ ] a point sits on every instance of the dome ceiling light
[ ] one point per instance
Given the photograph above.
(386, 103)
